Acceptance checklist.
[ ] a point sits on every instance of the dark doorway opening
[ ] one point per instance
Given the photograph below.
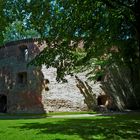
(99, 101)
(102, 100)
(3, 104)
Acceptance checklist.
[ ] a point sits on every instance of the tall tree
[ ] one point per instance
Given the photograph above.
(109, 29)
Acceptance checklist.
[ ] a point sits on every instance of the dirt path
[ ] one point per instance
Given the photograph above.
(58, 116)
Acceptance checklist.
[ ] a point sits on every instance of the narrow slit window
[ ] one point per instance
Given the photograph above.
(24, 52)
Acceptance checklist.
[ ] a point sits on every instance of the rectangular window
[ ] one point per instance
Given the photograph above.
(23, 52)
(22, 78)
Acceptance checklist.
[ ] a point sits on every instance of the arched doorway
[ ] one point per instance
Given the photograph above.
(102, 100)
(3, 104)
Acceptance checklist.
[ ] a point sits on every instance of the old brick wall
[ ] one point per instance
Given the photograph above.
(21, 85)
(62, 96)
(35, 89)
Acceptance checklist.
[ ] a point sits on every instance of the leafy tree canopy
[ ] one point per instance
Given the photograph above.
(109, 30)
(17, 31)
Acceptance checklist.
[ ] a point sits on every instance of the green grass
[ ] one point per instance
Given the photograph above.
(21, 114)
(118, 127)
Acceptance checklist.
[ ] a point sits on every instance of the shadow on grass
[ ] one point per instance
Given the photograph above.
(113, 127)
(22, 116)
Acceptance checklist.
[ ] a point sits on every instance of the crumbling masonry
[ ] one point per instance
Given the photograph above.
(35, 89)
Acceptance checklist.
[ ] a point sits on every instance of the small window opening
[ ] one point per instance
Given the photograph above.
(22, 78)
(46, 81)
(46, 89)
(99, 78)
(24, 52)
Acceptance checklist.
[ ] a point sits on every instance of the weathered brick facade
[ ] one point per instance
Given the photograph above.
(20, 85)
(35, 89)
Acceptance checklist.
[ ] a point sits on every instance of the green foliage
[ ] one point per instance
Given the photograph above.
(30, 12)
(105, 27)
(17, 31)
(3, 20)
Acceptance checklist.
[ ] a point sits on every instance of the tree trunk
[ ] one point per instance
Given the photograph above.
(135, 72)
(86, 91)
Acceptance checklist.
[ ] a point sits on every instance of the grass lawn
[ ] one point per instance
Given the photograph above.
(116, 127)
